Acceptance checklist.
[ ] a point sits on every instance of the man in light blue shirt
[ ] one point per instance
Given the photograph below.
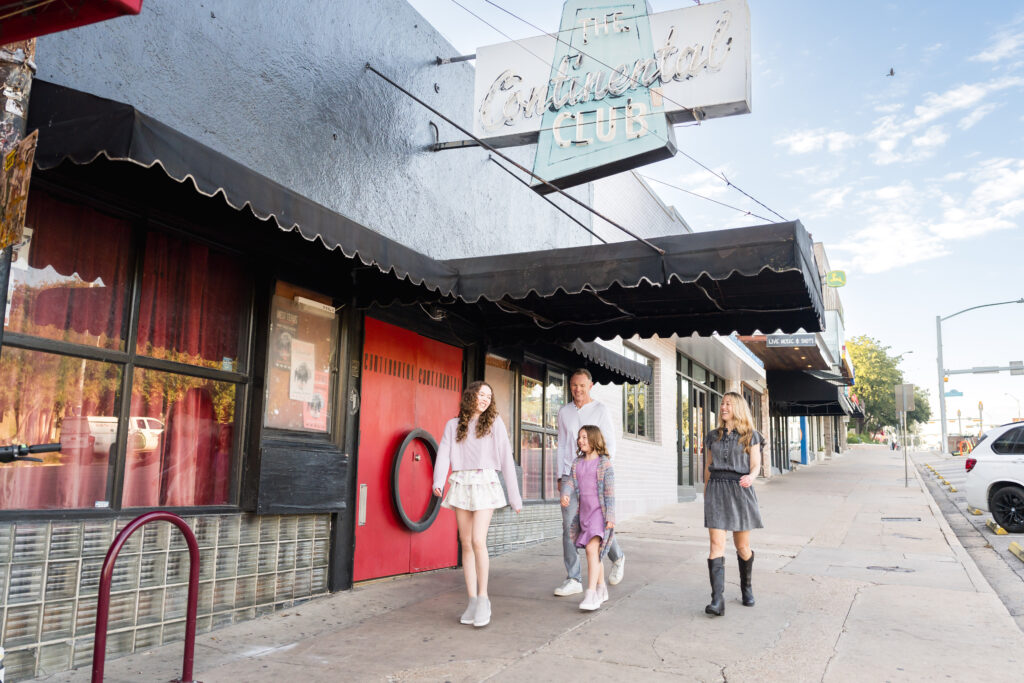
(582, 410)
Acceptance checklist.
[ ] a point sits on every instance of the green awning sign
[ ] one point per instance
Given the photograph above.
(835, 278)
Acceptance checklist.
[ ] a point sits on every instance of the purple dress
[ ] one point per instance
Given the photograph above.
(591, 517)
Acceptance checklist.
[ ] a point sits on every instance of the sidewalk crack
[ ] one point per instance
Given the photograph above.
(842, 631)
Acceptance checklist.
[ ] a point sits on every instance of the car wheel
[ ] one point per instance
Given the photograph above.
(1008, 508)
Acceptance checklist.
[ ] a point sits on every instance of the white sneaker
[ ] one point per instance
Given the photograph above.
(591, 601)
(602, 592)
(618, 569)
(470, 613)
(569, 587)
(483, 612)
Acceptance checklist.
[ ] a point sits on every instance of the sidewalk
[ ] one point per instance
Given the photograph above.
(856, 578)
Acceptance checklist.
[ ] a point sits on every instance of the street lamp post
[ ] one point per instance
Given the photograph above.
(942, 369)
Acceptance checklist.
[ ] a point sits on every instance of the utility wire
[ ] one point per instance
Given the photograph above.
(492, 150)
(718, 175)
(695, 194)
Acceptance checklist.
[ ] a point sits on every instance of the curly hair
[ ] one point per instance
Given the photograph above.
(468, 407)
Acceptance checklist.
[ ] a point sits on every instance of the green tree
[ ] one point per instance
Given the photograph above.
(922, 411)
(877, 375)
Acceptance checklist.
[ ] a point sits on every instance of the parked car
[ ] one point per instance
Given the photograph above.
(995, 476)
(95, 434)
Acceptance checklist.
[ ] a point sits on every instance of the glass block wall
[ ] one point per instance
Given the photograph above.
(50, 573)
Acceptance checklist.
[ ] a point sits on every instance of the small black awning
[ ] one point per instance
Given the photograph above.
(794, 393)
(605, 365)
(742, 280)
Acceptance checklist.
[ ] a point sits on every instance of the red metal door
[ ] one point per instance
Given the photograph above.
(409, 382)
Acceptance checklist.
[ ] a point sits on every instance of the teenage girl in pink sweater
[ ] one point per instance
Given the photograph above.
(476, 445)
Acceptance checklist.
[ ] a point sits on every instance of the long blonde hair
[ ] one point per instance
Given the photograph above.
(742, 420)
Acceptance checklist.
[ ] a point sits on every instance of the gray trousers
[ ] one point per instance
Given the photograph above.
(570, 552)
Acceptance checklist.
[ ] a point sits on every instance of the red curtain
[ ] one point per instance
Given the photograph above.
(192, 301)
(75, 239)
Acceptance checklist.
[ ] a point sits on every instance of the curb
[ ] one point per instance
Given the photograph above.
(978, 579)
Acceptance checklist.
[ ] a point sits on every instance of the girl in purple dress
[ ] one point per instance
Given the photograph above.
(593, 479)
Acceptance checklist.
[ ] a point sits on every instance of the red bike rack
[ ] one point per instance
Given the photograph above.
(99, 651)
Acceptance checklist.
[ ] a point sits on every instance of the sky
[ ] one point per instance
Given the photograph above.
(914, 182)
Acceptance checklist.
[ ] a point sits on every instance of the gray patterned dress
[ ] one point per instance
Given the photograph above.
(727, 505)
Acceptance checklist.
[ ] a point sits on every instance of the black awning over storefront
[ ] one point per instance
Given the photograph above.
(794, 393)
(742, 280)
(79, 127)
(606, 366)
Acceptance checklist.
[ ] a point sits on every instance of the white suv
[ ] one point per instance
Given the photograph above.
(995, 476)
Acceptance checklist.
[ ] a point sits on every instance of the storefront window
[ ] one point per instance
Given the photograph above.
(65, 364)
(502, 379)
(50, 398)
(193, 299)
(638, 404)
(542, 393)
(70, 275)
(532, 402)
(179, 441)
(303, 337)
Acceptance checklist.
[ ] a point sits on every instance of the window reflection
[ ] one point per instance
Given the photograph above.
(70, 274)
(532, 401)
(550, 466)
(179, 444)
(531, 456)
(48, 398)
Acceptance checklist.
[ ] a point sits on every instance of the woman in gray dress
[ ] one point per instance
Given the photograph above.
(732, 458)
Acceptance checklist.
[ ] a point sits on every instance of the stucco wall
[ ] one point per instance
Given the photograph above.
(281, 87)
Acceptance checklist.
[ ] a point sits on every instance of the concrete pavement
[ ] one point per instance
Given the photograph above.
(857, 578)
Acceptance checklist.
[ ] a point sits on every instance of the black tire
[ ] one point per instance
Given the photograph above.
(396, 496)
(1007, 508)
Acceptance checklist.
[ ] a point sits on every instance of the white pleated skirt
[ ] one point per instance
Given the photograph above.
(474, 490)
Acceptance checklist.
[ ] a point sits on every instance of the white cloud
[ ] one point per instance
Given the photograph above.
(978, 114)
(890, 131)
(1004, 45)
(933, 137)
(904, 224)
(889, 108)
(804, 141)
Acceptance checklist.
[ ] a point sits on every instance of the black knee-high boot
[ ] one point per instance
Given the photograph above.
(746, 570)
(716, 572)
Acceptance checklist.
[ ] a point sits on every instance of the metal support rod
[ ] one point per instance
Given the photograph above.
(99, 650)
(575, 220)
(944, 443)
(492, 150)
(452, 60)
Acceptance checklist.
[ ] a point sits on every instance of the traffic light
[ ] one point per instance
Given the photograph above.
(946, 378)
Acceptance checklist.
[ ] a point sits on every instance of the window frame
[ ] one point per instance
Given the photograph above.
(635, 389)
(128, 359)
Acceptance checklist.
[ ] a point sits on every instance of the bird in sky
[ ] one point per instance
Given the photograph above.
(892, 72)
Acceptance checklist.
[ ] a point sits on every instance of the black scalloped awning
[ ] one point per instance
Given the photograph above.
(795, 392)
(605, 366)
(760, 278)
